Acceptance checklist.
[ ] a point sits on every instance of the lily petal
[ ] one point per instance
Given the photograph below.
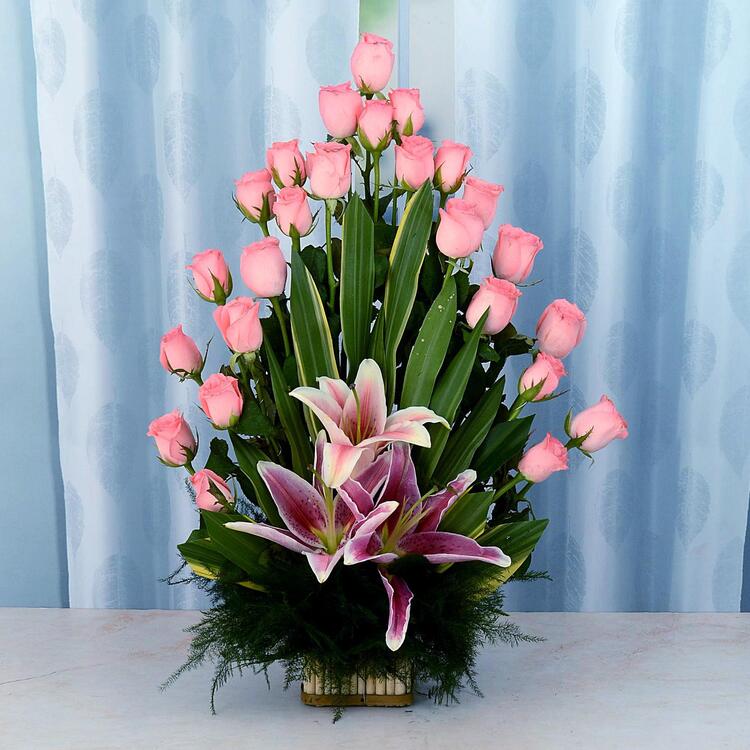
(300, 505)
(444, 547)
(338, 463)
(438, 503)
(416, 414)
(399, 608)
(264, 531)
(335, 388)
(405, 432)
(401, 484)
(320, 442)
(322, 563)
(367, 548)
(325, 408)
(356, 497)
(374, 475)
(375, 519)
(365, 410)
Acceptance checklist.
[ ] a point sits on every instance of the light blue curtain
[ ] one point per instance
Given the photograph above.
(621, 131)
(147, 112)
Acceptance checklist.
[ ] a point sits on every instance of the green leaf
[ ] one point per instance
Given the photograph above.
(447, 397)
(315, 260)
(248, 454)
(468, 515)
(290, 416)
(313, 346)
(377, 347)
(429, 349)
(406, 259)
(357, 282)
(250, 553)
(253, 421)
(463, 442)
(504, 441)
(204, 558)
(517, 540)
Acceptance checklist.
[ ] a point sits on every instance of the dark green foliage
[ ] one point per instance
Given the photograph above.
(340, 625)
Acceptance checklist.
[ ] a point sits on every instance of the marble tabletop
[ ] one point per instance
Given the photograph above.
(90, 679)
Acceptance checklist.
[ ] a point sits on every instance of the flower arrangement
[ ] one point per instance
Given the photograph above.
(370, 495)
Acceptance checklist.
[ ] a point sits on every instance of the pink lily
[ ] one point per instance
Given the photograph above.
(357, 421)
(318, 522)
(405, 523)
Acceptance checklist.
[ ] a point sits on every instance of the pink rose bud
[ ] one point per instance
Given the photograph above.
(239, 323)
(179, 354)
(497, 295)
(451, 162)
(286, 163)
(414, 163)
(543, 459)
(374, 124)
(174, 440)
(330, 169)
(252, 190)
(221, 400)
(263, 267)
(407, 110)
(339, 108)
(560, 328)
(207, 484)
(604, 421)
(372, 63)
(460, 229)
(292, 210)
(211, 276)
(515, 250)
(483, 196)
(545, 368)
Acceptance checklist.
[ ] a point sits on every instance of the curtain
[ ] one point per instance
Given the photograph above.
(621, 131)
(147, 112)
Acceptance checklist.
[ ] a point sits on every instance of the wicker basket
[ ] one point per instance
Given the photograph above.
(356, 691)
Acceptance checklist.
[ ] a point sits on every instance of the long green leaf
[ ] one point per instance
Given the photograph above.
(447, 397)
(313, 346)
(468, 515)
(290, 415)
(248, 454)
(429, 350)
(357, 281)
(504, 441)
(462, 444)
(250, 553)
(407, 255)
(517, 540)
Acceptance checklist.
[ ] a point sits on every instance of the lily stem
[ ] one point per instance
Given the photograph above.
(282, 324)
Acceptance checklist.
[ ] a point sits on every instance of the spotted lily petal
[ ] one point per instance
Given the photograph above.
(279, 536)
(401, 484)
(356, 497)
(322, 564)
(438, 503)
(445, 547)
(399, 608)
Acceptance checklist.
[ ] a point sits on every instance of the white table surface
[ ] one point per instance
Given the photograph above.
(89, 679)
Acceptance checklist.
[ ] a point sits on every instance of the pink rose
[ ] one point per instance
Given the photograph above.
(174, 440)
(543, 459)
(605, 423)
(330, 169)
(339, 108)
(515, 250)
(207, 484)
(221, 400)
(285, 163)
(545, 368)
(179, 354)
(374, 124)
(483, 196)
(451, 162)
(239, 323)
(263, 267)
(292, 210)
(460, 229)
(407, 110)
(372, 63)
(414, 162)
(211, 275)
(497, 295)
(254, 192)
(560, 328)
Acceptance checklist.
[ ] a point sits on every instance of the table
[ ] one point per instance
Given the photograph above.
(90, 679)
